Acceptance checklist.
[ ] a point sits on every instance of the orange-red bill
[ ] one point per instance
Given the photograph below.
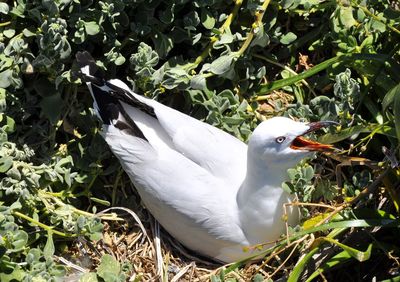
(301, 143)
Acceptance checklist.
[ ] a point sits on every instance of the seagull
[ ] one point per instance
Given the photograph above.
(209, 190)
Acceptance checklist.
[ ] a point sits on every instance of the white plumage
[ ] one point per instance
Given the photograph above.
(209, 190)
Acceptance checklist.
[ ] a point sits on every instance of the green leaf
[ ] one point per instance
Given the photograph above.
(119, 61)
(390, 96)
(19, 10)
(292, 173)
(346, 16)
(5, 62)
(20, 240)
(288, 38)
(291, 80)
(15, 206)
(3, 102)
(49, 248)
(396, 112)
(59, 167)
(162, 44)
(10, 125)
(225, 38)
(3, 136)
(92, 28)
(261, 38)
(58, 271)
(358, 255)
(198, 82)
(343, 134)
(5, 163)
(215, 278)
(4, 8)
(96, 231)
(395, 223)
(288, 187)
(300, 266)
(337, 259)
(145, 59)
(258, 278)
(223, 64)
(167, 16)
(33, 256)
(28, 33)
(108, 266)
(286, 4)
(6, 78)
(311, 222)
(207, 19)
(17, 274)
(378, 25)
(309, 172)
(392, 279)
(373, 108)
(191, 20)
(9, 33)
(89, 277)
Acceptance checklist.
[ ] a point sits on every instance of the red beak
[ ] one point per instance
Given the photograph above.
(301, 143)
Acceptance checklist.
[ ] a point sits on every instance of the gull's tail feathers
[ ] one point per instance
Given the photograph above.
(108, 96)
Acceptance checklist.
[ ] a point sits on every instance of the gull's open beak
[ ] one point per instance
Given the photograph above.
(301, 143)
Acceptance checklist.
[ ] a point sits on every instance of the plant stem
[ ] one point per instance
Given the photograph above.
(42, 225)
(255, 26)
(213, 40)
(50, 195)
(232, 15)
(365, 10)
(60, 203)
(5, 24)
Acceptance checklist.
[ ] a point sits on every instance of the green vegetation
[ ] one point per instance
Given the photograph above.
(231, 64)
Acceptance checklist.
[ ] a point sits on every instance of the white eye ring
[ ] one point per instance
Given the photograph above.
(280, 139)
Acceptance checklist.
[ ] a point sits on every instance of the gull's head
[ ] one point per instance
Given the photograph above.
(279, 141)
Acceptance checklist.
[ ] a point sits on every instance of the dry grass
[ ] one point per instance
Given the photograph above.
(155, 256)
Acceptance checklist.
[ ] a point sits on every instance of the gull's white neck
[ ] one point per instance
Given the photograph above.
(260, 199)
(261, 178)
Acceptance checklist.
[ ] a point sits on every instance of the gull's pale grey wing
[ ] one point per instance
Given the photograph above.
(215, 150)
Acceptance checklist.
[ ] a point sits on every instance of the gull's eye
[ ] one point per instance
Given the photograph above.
(280, 139)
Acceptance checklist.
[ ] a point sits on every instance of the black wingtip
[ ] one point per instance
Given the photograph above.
(108, 101)
(94, 75)
(85, 59)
